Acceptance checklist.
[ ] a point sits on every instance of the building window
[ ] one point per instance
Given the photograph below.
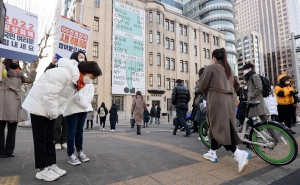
(207, 54)
(119, 101)
(196, 68)
(216, 41)
(158, 38)
(167, 44)
(172, 83)
(195, 34)
(151, 80)
(181, 46)
(185, 30)
(204, 52)
(158, 80)
(185, 66)
(150, 16)
(185, 48)
(187, 83)
(95, 49)
(96, 3)
(96, 23)
(207, 37)
(171, 26)
(150, 37)
(158, 17)
(167, 63)
(167, 24)
(168, 83)
(172, 44)
(158, 59)
(172, 64)
(181, 66)
(180, 29)
(151, 58)
(195, 50)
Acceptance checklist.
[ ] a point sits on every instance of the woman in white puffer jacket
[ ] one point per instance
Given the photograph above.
(271, 103)
(48, 99)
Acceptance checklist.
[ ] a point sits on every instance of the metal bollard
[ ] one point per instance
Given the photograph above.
(168, 118)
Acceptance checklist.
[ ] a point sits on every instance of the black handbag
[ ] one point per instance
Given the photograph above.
(132, 121)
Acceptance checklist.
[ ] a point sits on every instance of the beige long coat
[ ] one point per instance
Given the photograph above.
(11, 97)
(138, 107)
(220, 104)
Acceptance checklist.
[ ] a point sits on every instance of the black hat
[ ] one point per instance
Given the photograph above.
(247, 66)
(178, 81)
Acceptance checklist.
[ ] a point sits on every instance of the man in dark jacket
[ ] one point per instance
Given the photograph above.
(153, 114)
(180, 98)
(158, 110)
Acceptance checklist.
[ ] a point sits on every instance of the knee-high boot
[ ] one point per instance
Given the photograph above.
(138, 129)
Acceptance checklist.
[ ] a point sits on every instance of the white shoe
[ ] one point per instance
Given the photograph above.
(113, 131)
(242, 157)
(57, 170)
(103, 129)
(47, 175)
(73, 160)
(64, 146)
(82, 157)
(211, 155)
(57, 146)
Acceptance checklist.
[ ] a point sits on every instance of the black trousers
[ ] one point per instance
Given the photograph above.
(214, 146)
(60, 130)
(43, 140)
(87, 123)
(285, 113)
(7, 146)
(102, 121)
(113, 125)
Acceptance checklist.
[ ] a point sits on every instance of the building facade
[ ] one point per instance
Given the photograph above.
(174, 47)
(172, 5)
(218, 14)
(274, 20)
(65, 7)
(250, 49)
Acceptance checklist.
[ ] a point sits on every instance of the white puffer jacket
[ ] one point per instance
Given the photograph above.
(82, 101)
(271, 103)
(50, 93)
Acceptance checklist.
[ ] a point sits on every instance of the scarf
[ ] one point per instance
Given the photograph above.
(17, 70)
(248, 75)
(80, 83)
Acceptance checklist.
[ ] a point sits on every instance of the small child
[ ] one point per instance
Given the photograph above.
(113, 117)
(146, 117)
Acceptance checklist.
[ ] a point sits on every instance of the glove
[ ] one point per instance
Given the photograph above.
(280, 94)
(296, 92)
(292, 93)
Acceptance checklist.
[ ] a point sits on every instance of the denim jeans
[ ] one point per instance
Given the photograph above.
(181, 117)
(75, 132)
(156, 120)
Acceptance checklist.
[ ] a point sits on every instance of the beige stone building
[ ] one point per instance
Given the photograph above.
(175, 48)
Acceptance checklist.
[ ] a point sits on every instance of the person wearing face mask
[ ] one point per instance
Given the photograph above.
(76, 113)
(47, 99)
(11, 99)
(284, 93)
(255, 87)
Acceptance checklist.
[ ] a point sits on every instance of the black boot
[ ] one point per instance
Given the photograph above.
(87, 126)
(138, 129)
(91, 125)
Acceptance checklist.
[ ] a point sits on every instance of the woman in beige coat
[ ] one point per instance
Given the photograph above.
(137, 109)
(219, 85)
(11, 99)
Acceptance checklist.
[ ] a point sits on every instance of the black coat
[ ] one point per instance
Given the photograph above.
(146, 116)
(113, 114)
(153, 112)
(158, 110)
(181, 96)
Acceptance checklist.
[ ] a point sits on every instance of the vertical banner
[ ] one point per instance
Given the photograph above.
(73, 37)
(21, 35)
(128, 55)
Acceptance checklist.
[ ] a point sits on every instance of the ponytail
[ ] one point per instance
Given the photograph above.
(221, 55)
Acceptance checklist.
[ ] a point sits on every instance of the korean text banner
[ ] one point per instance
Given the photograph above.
(21, 35)
(128, 54)
(72, 37)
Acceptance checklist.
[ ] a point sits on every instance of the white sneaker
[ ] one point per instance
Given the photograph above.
(57, 170)
(64, 146)
(113, 131)
(82, 157)
(103, 129)
(242, 157)
(47, 175)
(211, 155)
(57, 146)
(73, 160)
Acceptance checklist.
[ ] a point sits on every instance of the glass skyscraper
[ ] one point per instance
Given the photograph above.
(173, 5)
(218, 14)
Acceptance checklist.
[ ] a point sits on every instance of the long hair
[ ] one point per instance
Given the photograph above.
(138, 93)
(74, 56)
(102, 104)
(7, 63)
(221, 55)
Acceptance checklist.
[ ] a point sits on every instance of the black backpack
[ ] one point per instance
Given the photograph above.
(266, 90)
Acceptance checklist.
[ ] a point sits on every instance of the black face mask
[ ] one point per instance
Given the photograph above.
(14, 66)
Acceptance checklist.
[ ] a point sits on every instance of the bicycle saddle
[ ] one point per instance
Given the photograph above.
(251, 103)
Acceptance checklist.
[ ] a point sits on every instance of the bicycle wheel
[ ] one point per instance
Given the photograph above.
(281, 146)
(203, 134)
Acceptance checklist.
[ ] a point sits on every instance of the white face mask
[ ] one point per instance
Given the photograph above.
(81, 60)
(245, 72)
(288, 82)
(87, 80)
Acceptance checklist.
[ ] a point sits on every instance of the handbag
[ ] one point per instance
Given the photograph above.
(197, 100)
(132, 121)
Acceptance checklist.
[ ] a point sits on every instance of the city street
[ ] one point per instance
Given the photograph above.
(155, 157)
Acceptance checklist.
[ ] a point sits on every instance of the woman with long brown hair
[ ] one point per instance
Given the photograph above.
(137, 109)
(219, 85)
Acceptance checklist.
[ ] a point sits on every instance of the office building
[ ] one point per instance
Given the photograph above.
(218, 14)
(274, 20)
(174, 49)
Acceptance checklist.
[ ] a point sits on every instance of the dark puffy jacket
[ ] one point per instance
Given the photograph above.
(153, 112)
(200, 115)
(113, 114)
(181, 96)
(146, 116)
(158, 110)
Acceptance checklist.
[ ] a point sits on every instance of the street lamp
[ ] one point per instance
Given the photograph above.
(295, 50)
